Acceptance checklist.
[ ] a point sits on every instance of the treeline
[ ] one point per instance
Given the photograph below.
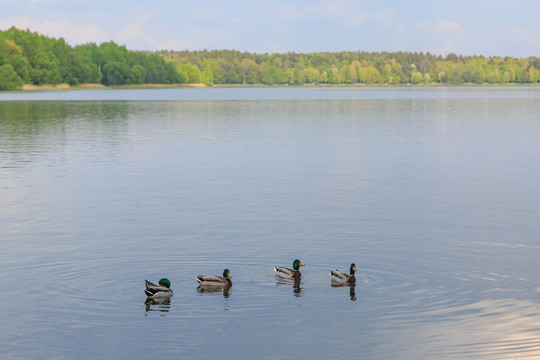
(234, 67)
(29, 58)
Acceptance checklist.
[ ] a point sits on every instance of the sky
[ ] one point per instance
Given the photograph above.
(463, 27)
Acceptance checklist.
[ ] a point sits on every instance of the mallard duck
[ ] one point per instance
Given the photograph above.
(161, 291)
(216, 280)
(342, 278)
(287, 273)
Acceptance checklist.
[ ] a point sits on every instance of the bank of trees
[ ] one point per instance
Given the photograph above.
(233, 67)
(29, 58)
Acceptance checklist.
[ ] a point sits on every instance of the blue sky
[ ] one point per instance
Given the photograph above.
(473, 27)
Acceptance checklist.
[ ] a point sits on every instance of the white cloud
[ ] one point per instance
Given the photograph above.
(147, 37)
(135, 37)
(448, 25)
(346, 11)
(73, 34)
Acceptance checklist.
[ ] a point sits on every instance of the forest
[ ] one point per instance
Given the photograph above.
(27, 57)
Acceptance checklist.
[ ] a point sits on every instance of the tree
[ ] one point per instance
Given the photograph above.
(115, 73)
(416, 77)
(189, 73)
(207, 75)
(289, 75)
(369, 74)
(386, 74)
(233, 77)
(534, 75)
(247, 66)
(522, 75)
(9, 79)
(136, 75)
(312, 75)
(268, 73)
(493, 77)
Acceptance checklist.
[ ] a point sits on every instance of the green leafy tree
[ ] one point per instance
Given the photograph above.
(136, 75)
(289, 75)
(493, 77)
(312, 75)
(233, 77)
(9, 79)
(534, 75)
(190, 73)
(416, 77)
(208, 75)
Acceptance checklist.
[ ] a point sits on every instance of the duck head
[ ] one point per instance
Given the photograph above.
(296, 264)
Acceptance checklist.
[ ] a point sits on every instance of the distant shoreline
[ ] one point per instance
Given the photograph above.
(63, 86)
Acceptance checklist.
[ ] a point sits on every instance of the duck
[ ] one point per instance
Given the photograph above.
(161, 291)
(287, 273)
(216, 280)
(339, 277)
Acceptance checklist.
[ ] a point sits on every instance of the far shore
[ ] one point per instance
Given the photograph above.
(64, 86)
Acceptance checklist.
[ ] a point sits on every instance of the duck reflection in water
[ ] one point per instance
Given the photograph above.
(225, 290)
(298, 291)
(161, 305)
(351, 287)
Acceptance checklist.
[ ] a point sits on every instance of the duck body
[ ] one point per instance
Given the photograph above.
(287, 273)
(161, 291)
(211, 280)
(342, 278)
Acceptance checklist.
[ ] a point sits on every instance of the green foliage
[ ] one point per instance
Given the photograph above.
(357, 68)
(9, 79)
(189, 73)
(27, 57)
(37, 59)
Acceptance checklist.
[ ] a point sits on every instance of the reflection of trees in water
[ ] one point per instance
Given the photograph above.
(31, 128)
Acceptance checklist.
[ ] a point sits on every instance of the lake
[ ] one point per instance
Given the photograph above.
(432, 192)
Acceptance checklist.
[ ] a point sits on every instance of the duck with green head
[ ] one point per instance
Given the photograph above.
(224, 280)
(287, 273)
(161, 291)
(341, 278)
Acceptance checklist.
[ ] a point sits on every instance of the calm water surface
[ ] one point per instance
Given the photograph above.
(432, 192)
